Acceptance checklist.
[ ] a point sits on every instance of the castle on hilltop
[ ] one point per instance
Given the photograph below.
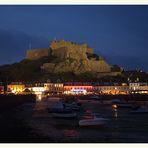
(73, 57)
(60, 49)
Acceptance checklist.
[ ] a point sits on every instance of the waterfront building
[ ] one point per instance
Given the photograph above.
(78, 88)
(53, 88)
(75, 88)
(36, 88)
(134, 86)
(15, 87)
(112, 89)
(1, 88)
(137, 87)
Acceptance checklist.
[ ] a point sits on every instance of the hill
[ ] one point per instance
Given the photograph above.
(71, 57)
(62, 61)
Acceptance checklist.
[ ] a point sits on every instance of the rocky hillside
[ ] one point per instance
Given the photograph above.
(65, 61)
(30, 71)
(76, 58)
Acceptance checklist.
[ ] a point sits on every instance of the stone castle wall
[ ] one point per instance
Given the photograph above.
(60, 53)
(63, 49)
(99, 66)
(34, 54)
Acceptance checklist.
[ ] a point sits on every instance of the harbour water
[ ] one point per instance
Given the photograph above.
(122, 127)
(31, 122)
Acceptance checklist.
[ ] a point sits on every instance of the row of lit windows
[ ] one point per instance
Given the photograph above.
(111, 88)
(134, 84)
(53, 85)
(70, 88)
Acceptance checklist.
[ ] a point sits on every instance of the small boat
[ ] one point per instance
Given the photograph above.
(142, 109)
(64, 115)
(95, 121)
(59, 107)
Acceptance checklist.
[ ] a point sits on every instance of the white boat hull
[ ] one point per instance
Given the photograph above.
(92, 122)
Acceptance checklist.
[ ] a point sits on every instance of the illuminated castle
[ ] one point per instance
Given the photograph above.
(77, 58)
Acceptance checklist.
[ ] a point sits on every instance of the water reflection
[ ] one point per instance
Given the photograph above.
(115, 111)
(39, 97)
(70, 133)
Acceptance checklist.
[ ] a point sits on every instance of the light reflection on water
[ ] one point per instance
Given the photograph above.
(70, 133)
(115, 111)
(39, 97)
(116, 114)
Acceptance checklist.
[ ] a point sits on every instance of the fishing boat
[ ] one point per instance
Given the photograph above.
(95, 121)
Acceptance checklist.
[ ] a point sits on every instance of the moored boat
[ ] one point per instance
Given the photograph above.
(59, 107)
(95, 121)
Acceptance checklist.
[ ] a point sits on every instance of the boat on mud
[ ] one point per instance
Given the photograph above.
(59, 107)
(93, 122)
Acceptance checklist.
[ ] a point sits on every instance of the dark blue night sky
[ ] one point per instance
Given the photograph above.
(119, 33)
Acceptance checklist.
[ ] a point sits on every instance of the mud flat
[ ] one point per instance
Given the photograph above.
(12, 115)
(125, 128)
(11, 101)
(31, 122)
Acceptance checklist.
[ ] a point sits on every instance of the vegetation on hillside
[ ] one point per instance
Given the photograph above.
(25, 70)
(30, 71)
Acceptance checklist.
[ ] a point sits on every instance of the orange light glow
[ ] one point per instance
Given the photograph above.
(114, 106)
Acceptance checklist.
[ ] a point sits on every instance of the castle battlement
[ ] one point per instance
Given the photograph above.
(34, 54)
(61, 49)
(71, 45)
